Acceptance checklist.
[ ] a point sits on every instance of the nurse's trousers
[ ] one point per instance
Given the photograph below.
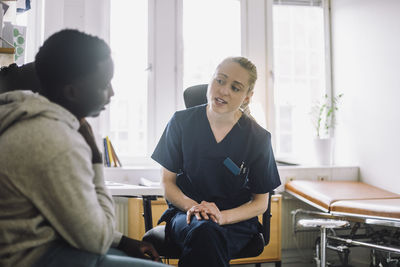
(205, 243)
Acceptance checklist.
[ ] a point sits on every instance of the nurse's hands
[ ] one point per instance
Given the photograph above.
(205, 210)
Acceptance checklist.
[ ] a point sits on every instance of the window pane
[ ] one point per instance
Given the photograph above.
(299, 59)
(128, 108)
(211, 32)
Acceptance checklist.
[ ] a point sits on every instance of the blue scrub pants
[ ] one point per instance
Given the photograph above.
(63, 255)
(205, 243)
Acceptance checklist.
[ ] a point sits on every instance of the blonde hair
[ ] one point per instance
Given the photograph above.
(252, 71)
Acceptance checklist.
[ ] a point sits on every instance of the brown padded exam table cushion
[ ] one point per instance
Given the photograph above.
(326, 193)
(348, 201)
(383, 208)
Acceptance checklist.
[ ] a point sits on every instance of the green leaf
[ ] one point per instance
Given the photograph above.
(20, 50)
(20, 40)
(323, 112)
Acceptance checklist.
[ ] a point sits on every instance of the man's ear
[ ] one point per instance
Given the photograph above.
(70, 93)
(70, 98)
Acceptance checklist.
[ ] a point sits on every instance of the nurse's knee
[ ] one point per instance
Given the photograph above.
(206, 230)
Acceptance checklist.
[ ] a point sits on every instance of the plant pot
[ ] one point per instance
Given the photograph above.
(323, 151)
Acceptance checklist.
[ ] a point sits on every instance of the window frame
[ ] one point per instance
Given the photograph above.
(165, 20)
(325, 5)
(163, 99)
(165, 55)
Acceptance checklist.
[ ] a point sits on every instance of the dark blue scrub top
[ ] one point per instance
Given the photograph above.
(188, 148)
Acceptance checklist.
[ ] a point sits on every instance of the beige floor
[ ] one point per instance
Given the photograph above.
(304, 258)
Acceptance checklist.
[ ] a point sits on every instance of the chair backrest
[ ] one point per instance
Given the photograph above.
(266, 221)
(15, 77)
(197, 95)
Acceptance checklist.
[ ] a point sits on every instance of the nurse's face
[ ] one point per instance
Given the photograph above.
(229, 88)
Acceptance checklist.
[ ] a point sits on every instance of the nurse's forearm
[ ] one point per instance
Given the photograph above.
(246, 211)
(172, 192)
(174, 195)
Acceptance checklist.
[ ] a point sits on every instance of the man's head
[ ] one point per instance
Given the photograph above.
(75, 71)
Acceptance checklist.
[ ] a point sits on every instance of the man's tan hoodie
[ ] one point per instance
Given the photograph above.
(49, 188)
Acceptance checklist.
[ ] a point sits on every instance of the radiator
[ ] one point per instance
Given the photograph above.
(121, 214)
(289, 240)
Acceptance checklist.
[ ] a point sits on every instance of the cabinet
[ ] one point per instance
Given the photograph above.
(6, 56)
(271, 253)
(135, 215)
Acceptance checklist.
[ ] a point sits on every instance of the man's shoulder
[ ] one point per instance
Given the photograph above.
(39, 139)
(51, 130)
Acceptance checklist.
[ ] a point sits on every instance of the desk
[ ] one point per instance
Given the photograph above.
(147, 193)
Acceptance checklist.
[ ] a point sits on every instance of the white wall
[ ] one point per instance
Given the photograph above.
(366, 68)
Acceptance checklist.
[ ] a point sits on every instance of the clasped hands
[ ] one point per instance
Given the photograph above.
(205, 210)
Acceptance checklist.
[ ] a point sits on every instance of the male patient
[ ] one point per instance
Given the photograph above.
(54, 207)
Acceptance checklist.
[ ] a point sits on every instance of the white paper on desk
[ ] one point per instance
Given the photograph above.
(111, 183)
(146, 182)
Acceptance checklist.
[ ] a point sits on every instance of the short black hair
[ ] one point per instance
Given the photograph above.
(68, 56)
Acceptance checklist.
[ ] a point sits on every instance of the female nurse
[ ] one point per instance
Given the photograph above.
(218, 167)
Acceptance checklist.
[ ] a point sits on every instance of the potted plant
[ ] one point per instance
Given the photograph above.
(323, 120)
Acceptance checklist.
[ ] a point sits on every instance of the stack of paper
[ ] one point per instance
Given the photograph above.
(146, 182)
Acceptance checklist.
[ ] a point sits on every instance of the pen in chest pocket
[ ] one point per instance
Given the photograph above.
(241, 167)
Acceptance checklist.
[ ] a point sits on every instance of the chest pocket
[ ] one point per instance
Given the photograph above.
(237, 181)
(217, 181)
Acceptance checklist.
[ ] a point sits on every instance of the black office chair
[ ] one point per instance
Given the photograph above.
(194, 96)
(15, 77)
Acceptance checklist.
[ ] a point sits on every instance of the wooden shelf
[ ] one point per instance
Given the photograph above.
(5, 50)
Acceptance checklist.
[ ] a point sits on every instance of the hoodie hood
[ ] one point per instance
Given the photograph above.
(23, 105)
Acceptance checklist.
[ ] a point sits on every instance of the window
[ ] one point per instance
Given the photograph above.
(209, 36)
(145, 46)
(207, 43)
(160, 48)
(300, 74)
(127, 123)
